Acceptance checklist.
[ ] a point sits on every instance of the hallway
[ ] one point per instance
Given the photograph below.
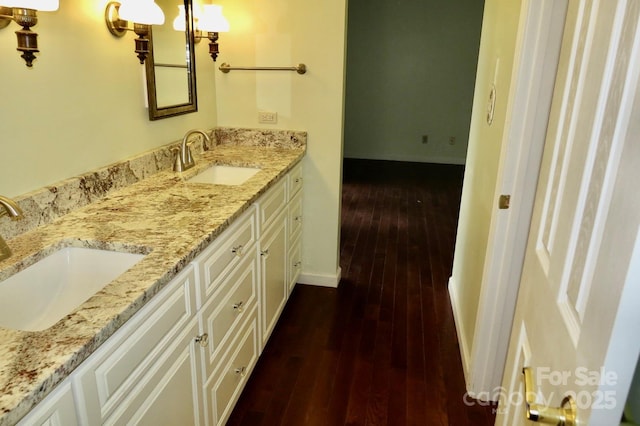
(382, 348)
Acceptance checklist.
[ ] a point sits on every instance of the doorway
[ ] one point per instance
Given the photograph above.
(410, 79)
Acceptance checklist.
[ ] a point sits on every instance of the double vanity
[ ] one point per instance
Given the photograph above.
(152, 304)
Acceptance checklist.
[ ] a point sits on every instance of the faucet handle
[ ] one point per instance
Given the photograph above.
(5, 251)
(188, 156)
(178, 165)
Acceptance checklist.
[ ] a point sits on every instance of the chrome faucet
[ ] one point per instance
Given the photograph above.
(12, 209)
(184, 159)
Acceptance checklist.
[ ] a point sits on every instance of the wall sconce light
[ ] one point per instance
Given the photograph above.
(212, 21)
(24, 13)
(143, 14)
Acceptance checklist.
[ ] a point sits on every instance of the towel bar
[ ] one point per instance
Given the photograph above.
(300, 68)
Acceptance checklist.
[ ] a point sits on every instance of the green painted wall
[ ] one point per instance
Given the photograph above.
(410, 72)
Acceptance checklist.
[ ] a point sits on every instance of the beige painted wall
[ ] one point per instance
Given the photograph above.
(284, 33)
(497, 47)
(82, 105)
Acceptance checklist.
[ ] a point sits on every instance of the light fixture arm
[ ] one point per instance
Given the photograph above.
(213, 37)
(6, 16)
(213, 45)
(142, 42)
(27, 39)
(118, 27)
(212, 22)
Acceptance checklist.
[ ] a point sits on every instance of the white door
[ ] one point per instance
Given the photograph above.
(577, 320)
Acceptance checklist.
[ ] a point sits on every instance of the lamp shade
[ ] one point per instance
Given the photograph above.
(141, 12)
(41, 5)
(179, 23)
(212, 19)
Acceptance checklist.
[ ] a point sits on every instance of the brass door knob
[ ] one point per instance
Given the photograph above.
(561, 416)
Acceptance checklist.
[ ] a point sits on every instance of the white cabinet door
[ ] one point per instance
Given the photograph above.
(57, 409)
(137, 362)
(171, 395)
(273, 264)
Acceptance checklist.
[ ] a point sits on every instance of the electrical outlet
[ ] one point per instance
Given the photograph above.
(452, 140)
(268, 117)
(425, 138)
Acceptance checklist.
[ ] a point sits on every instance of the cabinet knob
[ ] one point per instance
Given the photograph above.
(239, 306)
(264, 253)
(237, 250)
(202, 339)
(297, 264)
(242, 371)
(298, 218)
(298, 180)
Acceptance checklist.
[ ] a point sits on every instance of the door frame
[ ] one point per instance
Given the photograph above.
(533, 76)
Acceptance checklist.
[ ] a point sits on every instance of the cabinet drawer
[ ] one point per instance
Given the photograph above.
(229, 381)
(271, 203)
(219, 259)
(295, 216)
(295, 264)
(120, 364)
(295, 180)
(228, 309)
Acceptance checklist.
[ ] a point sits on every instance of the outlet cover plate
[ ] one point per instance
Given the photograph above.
(268, 117)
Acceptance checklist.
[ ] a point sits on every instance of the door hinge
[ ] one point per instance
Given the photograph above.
(504, 201)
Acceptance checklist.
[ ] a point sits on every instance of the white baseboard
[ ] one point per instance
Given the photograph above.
(409, 158)
(462, 335)
(321, 280)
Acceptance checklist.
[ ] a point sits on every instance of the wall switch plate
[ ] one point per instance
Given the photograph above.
(268, 117)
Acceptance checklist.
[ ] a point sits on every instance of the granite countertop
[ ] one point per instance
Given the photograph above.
(168, 219)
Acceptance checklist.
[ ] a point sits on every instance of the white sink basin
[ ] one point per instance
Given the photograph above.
(224, 175)
(37, 297)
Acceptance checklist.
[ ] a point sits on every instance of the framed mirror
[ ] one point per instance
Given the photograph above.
(170, 66)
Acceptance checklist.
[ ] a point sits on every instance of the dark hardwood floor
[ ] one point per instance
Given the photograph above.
(382, 348)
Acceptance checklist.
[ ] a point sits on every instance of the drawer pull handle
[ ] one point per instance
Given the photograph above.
(264, 253)
(242, 371)
(238, 250)
(239, 306)
(203, 340)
